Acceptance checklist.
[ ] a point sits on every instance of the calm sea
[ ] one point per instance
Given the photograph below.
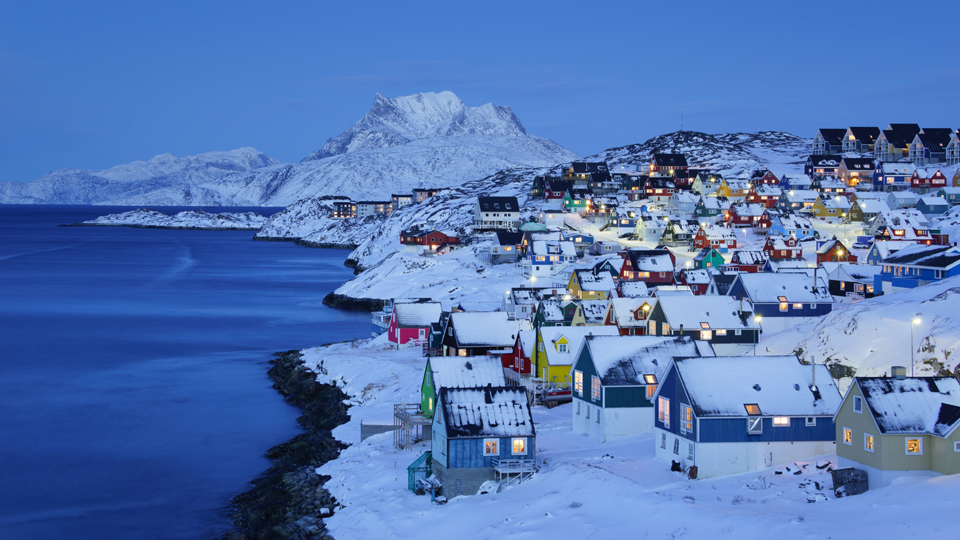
(134, 400)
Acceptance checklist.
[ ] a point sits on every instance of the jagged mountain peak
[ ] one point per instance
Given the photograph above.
(400, 120)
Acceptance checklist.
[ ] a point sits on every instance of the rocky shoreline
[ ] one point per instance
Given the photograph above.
(347, 303)
(181, 228)
(288, 501)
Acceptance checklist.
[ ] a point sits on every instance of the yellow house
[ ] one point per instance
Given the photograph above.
(590, 284)
(557, 348)
(733, 189)
(589, 313)
(899, 426)
(956, 178)
(831, 209)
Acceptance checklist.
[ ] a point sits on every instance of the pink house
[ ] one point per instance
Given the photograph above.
(410, 322)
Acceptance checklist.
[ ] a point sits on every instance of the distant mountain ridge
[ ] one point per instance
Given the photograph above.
(424, 140)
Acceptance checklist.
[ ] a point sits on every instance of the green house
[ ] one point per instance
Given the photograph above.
(615, 378)
(554, 312)
(576, 200)
(457, 372)
(708, 258)
(711, 206)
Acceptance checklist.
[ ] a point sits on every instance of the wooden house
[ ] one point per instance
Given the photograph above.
(950, 194)
(505, 246)
(711, 206)
(932, 206)
(860, 140)
(864, 210)
(577, 200)
(548, 258)
(660, 189)
(714, 236)
(828, 141)
(881, 249)
(650, 228)
(796, 183)
(679, 232)
(706, 183)
(733, 189)
(428, 241)
(789, 265)
(854, 281)
(783, 295)
(917, 265)
(736, 414)
(455, 372)
(793, 201)
(614, 380)
(831, 186)
(667, 164)
(478, 435)
(927, 180)
(583, 172)
(743, 214)
(554, 312)
(476, 333)
(629, 315)
(724, 321)
(410, 322)
(749, 261)
(519, 360)
(697, 280)
(818, 166)
(496, 213)
(708, 257)
(653, 267)
(556, 350)
(556, 188)
(633, 289)
(764, 194)
(952, 156)
(853, 170)
(764, 177)
(793, 225)
(591, 284)
(930, 146)
(589, 313)
(899, 426)
(893, 143)
(782, 247)
(892, 176)
(831, 209)
(833, 250)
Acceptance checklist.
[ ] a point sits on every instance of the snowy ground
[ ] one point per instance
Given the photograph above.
(587, 489)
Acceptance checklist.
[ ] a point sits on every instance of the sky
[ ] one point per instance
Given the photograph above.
(92, 86)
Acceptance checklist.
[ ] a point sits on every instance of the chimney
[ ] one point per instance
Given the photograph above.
(898, 372)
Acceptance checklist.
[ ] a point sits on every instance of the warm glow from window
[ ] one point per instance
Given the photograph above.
(915, 446)
(519, 446)
(868, 442)
(663, 411)
(847, 436)
(578, 382)
(752, 409)
(650, 379)
(781, 420)
(490, 447)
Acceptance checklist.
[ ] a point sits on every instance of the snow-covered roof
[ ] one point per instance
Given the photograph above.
(779, 243)
(837, 202)
(792, 263)
(624, 308)
(715, 203)
(624, 360)
(716, 232)
(745, 209)
(528, 340)
(634, 289)
(898, 169)
(906, 196)
(767, 190)
(769, 287)
(574, 336)
(698, 276)
(829, 245)
(552, 309)
(486, 412)
(595, 281)
(417, 314)
(873, 206)
(779, 385)
(932, 200)
(466, 371)
(862, 273)
(593, 310)
(921, 405)
(801, 195)
(692, 312)
(484, 329)
(650, 260)
(541, 247)
(750, 256)
(926, 256)
(885, 248)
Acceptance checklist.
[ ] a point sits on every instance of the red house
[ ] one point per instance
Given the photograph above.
(629, 315)
(431, 239)
(834, 251)
(698, 280)
(713, 236)
(764, 178)
(410, 322)
(743, 214)
(518, 359)
(766, 221)
(779, 247)
(764, 195)
(747, 261)
(668, 164)
(556, 189)
(922, 181)
(659, 189)
(651, 266)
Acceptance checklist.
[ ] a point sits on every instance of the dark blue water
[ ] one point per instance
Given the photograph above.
(134, 400)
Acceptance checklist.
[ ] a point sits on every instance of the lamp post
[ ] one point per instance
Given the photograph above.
(756, 336)
(914, 322)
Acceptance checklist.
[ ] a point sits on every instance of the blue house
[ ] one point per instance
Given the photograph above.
(915, 265)
(932, 206)
(780, 299)
(614, 379)
(892, 176)
(791, 225)
(481, 434)
(735, 414)
(580, 241)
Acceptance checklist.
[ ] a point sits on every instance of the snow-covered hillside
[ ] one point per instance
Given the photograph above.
(425, 140)
(123, 185)
(870, 336)
(189, 219)
(731, 154)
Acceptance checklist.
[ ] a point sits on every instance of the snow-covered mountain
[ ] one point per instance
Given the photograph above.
(425, 140)
(183, 175)
(731, 154)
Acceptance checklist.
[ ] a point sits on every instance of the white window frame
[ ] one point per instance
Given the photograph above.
(676, 446)
(858, 404)
(736, 332)
(810, 421)
(754, 425)
(781, 421)
(594, 388)
(847, 431)
(663, 441)
(873, 442)
(578, 382)
(906, 446)
(686, 426)
(513, 446)
(496, 447)
(663, 411)
(562, 347)
(690, 451)
(956, 446)
(598, 415)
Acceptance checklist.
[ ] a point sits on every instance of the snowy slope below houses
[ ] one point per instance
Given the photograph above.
(585, 488)
(870, 336)
(181, 179)
(189, 219)
(734, 155)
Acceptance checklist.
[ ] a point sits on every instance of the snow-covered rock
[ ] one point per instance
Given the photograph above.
(190, 219)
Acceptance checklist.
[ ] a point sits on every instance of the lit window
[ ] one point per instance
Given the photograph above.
(914, 446)
(651, 390)
(663, 411)
(595, 388)
(578, 382)
(781, 421)
(868, 442)
(798, 306)
(490, 447)
(519, 446)
(462, 352)
(783, 306)
(720, 332)
(752, 409)
(666, 329)
(686, 418)
(858, 404)
(706, 335)
(650, 379)
(847, 436)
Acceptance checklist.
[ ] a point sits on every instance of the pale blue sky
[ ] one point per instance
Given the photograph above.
(94, 86)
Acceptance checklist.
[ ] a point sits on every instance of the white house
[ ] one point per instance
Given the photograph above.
(496, 213)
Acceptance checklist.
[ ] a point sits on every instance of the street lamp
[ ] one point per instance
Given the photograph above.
(756, 336)
(914, 322)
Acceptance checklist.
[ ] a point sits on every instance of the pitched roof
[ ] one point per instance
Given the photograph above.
(854, 164)
(417, 314)
(935, 139)
(650, 260)
(923, 405)
(670, 160)
(769, 287)
(498, 204)
(624, 309)
(824, 160)
(574, 336)
(624, 360)
(595, 280)
(484, 329)
(634, 289)
(466, 372)
(486, 412)
(589, 167)
(509, 238)
(593, 311)
(833, 136)
(779, 385)
(865, 134)
(565, 248)
(927, 256)
(749, 256)
(897, 169)
(691, 312)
